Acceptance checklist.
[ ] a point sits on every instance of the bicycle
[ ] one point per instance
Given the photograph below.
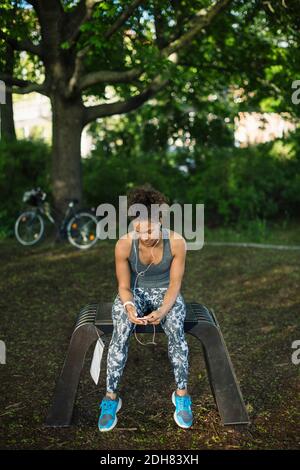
(79, 227)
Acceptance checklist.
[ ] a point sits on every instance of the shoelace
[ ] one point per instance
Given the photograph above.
(183, 402)
(106, 404)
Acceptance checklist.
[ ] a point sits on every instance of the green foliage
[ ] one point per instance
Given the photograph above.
(23, 165)
(239, 187)
(253, 183)
(251, 47)
(245, 186)
(107, 177)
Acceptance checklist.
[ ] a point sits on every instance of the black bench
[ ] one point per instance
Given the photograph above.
(200, 322)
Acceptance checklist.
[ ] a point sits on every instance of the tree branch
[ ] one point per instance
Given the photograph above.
(202, 19)
(159, 27)
(75, 18)
(22, 45)
(24, 86)
(120, 107)
(122, 18)
(74, 80)
(33, 3)
(47, 5)
(107, 76)
(94, 78)
(34, 87)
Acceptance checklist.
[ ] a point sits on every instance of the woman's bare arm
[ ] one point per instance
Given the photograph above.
(122, 249)
(176, 274)
(122, 270)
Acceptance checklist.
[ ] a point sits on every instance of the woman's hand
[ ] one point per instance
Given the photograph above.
(132, 315)
(155, 317)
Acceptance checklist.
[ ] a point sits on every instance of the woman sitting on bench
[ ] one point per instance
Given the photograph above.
(150, 263)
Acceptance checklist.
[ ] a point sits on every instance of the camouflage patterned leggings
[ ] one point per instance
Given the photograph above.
(146, 300)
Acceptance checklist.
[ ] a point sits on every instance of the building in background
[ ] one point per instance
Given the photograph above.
(33, 119)
(258, 128)
(32, 115)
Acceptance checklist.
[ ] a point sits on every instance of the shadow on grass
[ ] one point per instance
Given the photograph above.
(255, 296)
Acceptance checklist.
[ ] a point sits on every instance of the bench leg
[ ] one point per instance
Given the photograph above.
(222, 378)
(61, 410)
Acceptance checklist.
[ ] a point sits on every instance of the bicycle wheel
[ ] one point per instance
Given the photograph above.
(82, 230)
(29, 228)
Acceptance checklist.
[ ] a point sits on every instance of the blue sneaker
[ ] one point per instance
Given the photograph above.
(108, 416)
(183, 414)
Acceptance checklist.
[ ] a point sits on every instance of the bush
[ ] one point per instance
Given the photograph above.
(107, 177)
(246, 184)
(23, 165)
(238, 186)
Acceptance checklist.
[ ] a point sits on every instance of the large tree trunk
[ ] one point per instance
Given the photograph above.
(7, 119)
(66, 159)
(7, 116)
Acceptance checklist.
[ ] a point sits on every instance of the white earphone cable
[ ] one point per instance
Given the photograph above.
(134, 287)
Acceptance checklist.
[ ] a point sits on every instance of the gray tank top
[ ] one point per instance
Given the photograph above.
(158, 275)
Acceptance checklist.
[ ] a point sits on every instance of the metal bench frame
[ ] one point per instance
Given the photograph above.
(200, 322)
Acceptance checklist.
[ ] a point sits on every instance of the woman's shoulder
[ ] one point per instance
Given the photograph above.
(127, 236)
(177, 241)
(176, 236)
(124, 243)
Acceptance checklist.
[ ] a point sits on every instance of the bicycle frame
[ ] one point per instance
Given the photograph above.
(73, 225)
(61, 228)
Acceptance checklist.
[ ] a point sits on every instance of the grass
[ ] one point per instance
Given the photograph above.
(281, 232)
(255, 295)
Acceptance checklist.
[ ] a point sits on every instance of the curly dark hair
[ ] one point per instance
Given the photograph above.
(146, 195)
